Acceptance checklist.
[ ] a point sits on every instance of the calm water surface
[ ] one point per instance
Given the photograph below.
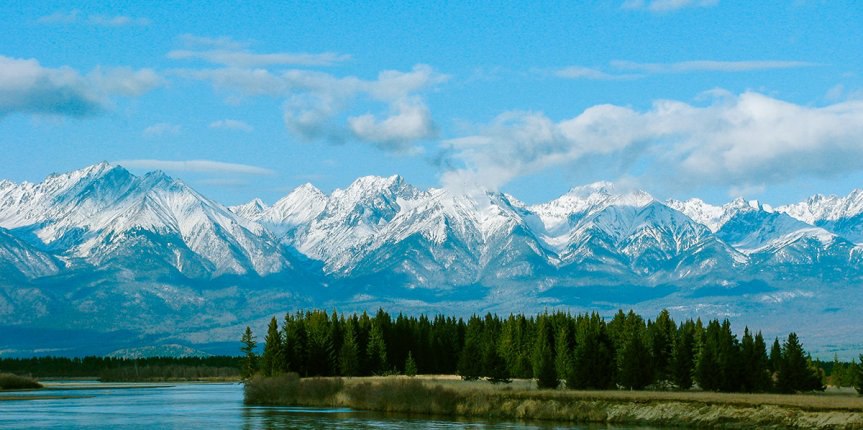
(209, 406)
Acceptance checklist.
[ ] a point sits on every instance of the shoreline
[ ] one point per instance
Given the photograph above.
(436, 396)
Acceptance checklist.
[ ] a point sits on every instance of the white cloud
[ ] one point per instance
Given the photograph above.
(231, 124)
(198, 166)
(162, 129)
(709, 66)
(624, 70)
(225, 51)
(233, 58)
(744, 141)
(125, 81)
(74, 16)
(667, 5)
(409, 121)
(117, 21)
(27, 86)
(316, 102)
(60, 17)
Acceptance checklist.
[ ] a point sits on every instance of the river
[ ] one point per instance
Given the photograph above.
(208, 406)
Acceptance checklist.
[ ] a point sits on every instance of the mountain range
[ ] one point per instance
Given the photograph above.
(101, 250)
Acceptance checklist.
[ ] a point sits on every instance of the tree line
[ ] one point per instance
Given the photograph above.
(582, 351)
(90, 366)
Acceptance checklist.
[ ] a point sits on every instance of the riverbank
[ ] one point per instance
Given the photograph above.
(448, 396)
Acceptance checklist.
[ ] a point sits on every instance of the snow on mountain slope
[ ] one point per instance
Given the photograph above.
(776, 237)
(465, 237)
(700, 212)
(821, 208)
(350, 218)
(596, 228)
(296, 209)
(840, 215)
(251, 210)
(19, 257)
(92, 214)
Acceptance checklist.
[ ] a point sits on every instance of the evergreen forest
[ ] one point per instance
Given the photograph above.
(582, 351)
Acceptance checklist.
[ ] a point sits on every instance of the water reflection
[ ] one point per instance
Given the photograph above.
(209, 406)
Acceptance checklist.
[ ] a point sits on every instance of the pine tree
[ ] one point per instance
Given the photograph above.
(410, 365)
(795, 372)
(762, 380)
(250, 364)
(470, 366)
(543, 355)
(683, 356)
(376, 350)
(662, 334)
(594, 363)
(272, 359)
(634, 362)
(349, 355)
(858, 383)
(707, 364)
(495, 366)
(775, 357)
(563, 352)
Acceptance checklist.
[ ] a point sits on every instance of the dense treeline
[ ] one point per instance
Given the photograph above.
(117, 368)
(577, 351)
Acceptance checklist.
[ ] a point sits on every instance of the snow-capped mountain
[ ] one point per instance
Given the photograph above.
(104, 215)
(840, 215)
(101, 247)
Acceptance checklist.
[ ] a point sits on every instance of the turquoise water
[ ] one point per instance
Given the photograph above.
(208, 406)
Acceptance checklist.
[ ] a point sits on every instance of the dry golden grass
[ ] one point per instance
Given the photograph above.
(449, 396)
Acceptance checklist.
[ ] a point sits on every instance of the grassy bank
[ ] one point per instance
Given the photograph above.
(9, 381)
(450, 397)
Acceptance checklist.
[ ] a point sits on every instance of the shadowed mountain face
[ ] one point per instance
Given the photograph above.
(102, 249)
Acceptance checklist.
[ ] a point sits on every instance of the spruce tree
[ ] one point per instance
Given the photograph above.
(470, 366)
(250, 365)
(858, 383)
(662, 334)
(761, 380)
(376, 351)
(795, 373)
(495, 366)
(634, 362)
(349, 355)
(410, 365)
(543, 355)
(775, 357)
(707, 364)
(593, 364)
(272, 360)
(563, 352)
(683, 356)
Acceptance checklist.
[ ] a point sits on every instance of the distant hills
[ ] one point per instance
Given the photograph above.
(102, 249)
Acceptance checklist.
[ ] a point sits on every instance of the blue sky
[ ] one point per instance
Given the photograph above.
(678, 97)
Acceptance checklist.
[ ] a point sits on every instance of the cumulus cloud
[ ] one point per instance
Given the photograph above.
(666, 5)
(742, 141)
(320, 105)
(231, 124)
(74, 17)
(27, 86)
(198, 166)
(162, 129)
(409, 121)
